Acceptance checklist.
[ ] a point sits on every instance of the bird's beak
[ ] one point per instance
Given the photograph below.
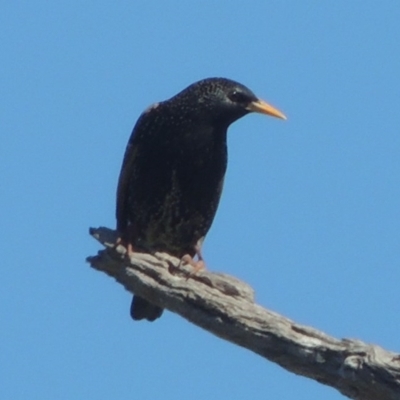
(260, 106)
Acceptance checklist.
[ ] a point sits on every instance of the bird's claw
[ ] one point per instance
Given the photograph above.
(198, 265)
(128, 247)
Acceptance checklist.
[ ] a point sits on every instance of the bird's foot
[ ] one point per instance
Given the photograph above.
(128, 246)
(197, 265)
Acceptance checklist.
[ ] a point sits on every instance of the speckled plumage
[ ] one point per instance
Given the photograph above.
(173, 170)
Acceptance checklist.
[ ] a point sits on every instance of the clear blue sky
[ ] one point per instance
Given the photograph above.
(309, 215)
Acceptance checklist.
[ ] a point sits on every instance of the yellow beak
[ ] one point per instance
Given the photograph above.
(260, 106)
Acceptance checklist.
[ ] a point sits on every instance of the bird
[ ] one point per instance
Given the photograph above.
(173, 171)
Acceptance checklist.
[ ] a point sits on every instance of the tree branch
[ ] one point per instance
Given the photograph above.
(225, 306)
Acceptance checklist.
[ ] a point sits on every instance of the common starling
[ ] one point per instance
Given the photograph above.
(173, 171)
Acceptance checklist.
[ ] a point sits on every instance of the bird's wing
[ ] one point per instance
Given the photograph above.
(143, 124)
(123, 186)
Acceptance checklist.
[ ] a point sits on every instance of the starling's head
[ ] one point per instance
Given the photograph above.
(222, 100)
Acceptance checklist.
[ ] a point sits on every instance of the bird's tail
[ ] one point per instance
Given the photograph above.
(142, 309)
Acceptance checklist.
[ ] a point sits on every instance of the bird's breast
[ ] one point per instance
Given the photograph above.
(176, 186)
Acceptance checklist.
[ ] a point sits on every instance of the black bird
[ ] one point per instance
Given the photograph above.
(173, 171)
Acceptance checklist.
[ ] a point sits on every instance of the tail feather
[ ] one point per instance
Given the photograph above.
(142, 309)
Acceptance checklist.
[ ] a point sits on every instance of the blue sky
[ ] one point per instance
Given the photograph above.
(309, 214)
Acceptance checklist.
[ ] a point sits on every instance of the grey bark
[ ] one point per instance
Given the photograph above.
(224, 306)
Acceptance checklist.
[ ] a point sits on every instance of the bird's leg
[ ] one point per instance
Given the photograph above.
(125, 243)
(129, 250)
(199, 264)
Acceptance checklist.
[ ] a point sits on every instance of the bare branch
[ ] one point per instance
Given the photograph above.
(225, 306)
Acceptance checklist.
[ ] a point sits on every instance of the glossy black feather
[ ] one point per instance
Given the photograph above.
(173, 171)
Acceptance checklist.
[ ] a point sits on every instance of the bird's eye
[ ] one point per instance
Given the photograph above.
(238, 97)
